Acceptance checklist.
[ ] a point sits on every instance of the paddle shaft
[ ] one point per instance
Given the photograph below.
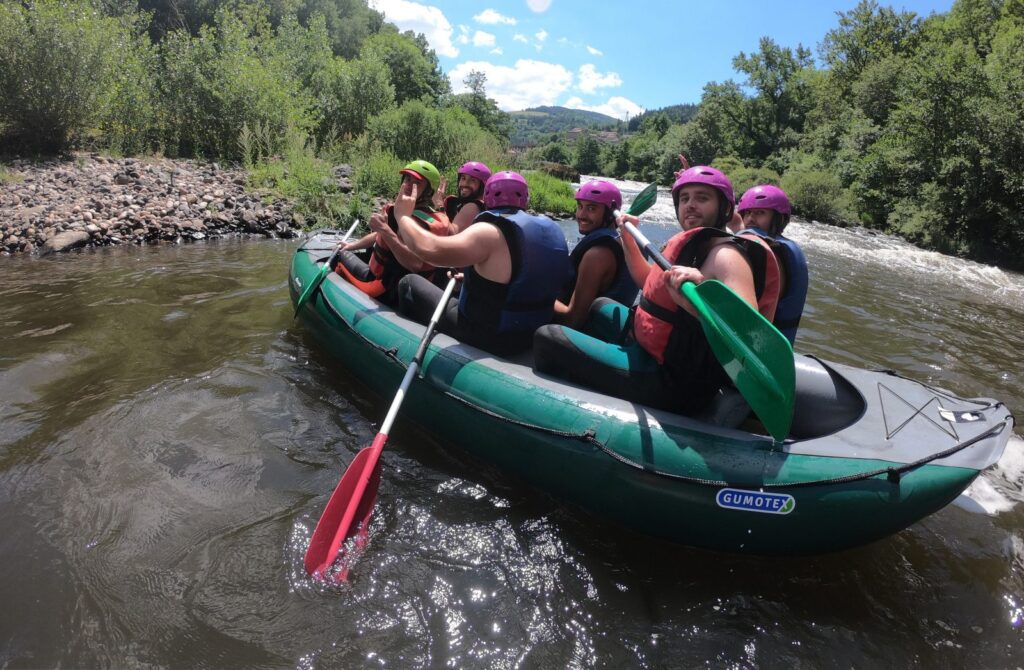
(368, 461)
(645, 245)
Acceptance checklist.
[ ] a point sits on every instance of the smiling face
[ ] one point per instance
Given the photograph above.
(469, 186)
(589, 215)
(698, 206)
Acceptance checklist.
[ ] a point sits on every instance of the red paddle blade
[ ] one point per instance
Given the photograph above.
(351, 502)
(362, 521)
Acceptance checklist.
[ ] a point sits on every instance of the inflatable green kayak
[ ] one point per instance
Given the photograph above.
(868, 454)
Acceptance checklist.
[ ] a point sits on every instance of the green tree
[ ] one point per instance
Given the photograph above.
(349, 93)
(867, 33)
(445, 137)
(414, 70)
(782, 94)
(57, 64)
(587, 153)
(232, 76)
(483, 109)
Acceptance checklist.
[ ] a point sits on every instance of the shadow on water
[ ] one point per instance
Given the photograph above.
(169, 437)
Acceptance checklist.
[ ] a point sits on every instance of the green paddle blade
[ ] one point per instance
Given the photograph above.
(643, 200)
(755, 355)
(313, 285)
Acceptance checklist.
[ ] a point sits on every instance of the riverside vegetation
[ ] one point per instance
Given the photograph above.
(911, 125)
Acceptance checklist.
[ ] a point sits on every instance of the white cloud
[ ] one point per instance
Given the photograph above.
(538, 5)
(420, 19)
(463, 37)
(616, 106)
(593, 51)
(490, 16)
(482, 39)
(528, 83)
(591, 79)
(519, 37)
(541, 35)
(497, 51)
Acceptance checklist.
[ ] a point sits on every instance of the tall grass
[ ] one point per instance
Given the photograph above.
(550, 194)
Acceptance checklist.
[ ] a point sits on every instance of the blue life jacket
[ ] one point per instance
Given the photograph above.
(540, 264)
(794, 263)
(622, 289)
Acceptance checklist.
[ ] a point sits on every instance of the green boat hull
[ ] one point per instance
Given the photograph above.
(862, 463)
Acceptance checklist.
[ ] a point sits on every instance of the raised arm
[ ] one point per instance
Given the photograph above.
(638, 266)
(471, 246)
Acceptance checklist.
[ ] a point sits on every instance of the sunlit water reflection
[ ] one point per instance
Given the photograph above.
(169, 437)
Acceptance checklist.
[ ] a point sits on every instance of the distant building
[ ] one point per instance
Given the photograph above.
(602, 136)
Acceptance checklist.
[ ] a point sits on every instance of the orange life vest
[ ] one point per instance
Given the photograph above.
(657, 314)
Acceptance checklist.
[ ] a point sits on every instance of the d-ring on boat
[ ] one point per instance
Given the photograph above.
(868, 454)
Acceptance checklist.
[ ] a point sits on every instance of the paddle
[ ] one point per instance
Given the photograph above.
(348, 511)
(642, 202)
(755, 355)
(319, 278)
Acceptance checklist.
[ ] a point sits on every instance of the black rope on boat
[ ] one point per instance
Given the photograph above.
(588, 436)
(893, 474)
(984, 403)
(390, 352)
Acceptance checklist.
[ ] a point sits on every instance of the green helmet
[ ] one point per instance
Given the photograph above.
(425, 170)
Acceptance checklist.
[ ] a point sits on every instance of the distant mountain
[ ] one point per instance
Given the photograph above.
(535, 125)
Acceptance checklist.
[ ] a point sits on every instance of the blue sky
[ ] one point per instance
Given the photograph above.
(617, 58)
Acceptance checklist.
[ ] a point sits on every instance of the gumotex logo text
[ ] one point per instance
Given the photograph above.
(755, 501)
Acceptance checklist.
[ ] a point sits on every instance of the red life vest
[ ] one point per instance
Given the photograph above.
(382, 259)
(657, 315)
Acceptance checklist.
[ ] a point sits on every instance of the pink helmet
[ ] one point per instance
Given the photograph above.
(475, 169)
(597, 190)
(765, 196)
(702, 174)
(506, 189)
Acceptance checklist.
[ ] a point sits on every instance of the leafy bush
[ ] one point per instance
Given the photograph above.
(349, 93)
(550, 194)
(131, 123)
(378, 174)
(301, 176)
(919, 222)
(56, 70)
(816, 193)
(445, 137)
(233, 75)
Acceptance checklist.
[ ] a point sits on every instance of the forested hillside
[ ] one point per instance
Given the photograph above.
(534, 126)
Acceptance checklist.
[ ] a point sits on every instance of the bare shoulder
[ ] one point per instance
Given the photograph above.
(725, 260)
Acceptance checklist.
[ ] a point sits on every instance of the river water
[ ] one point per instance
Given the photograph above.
(169, 437)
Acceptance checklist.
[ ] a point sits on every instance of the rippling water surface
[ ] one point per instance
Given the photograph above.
(169, 437)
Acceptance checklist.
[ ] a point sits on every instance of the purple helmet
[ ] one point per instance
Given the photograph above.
(597, 190)
(765, 196)
(506, 189)
(702, 174)
(475, 169)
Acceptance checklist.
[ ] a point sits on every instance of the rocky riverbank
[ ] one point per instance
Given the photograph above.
(92, 200)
